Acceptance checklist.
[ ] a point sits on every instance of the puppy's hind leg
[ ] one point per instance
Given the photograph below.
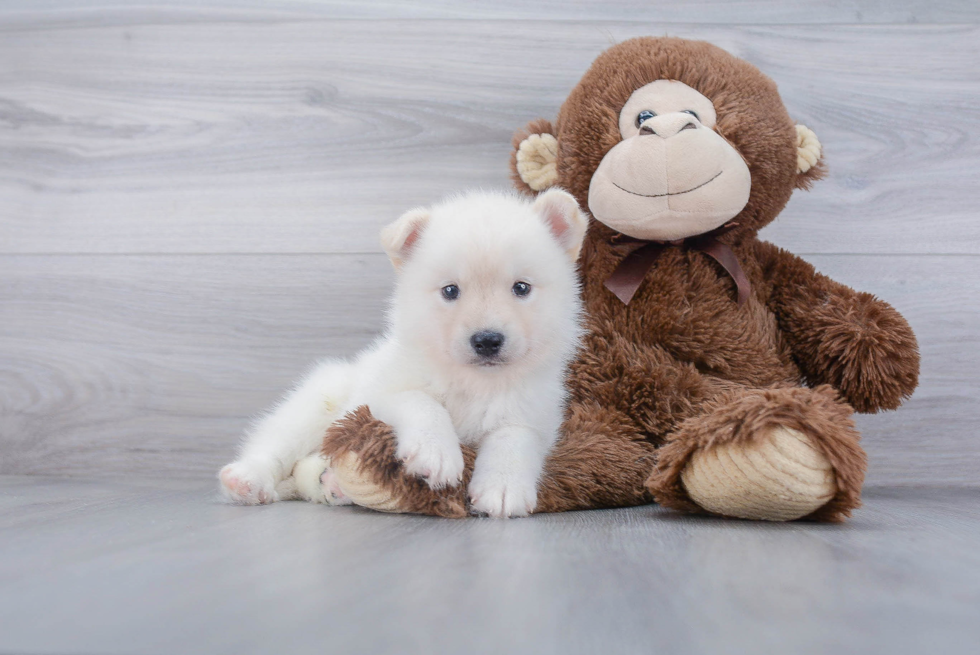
(294, 429)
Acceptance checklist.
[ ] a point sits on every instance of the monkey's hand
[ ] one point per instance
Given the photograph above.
(850, 340)
(861, 346)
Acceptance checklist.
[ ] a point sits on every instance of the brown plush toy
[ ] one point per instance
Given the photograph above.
(720, 372)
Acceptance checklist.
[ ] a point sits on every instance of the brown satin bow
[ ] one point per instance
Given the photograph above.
(628, 276)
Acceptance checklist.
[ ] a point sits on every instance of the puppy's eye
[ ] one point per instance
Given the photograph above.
(692, 113)
(646, 114)
(521, 289)
(450, 292)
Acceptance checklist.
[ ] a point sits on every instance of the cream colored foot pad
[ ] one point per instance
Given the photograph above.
(780, 477)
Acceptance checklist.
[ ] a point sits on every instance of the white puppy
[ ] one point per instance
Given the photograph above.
(484, 319)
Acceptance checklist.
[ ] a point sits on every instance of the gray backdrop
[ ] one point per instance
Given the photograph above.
(190, 195)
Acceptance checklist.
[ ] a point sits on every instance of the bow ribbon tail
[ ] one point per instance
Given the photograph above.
(724, 255)
(629, 274)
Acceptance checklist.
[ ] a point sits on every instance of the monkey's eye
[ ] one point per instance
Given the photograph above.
(450, 292)
(692, 113)
(644, 115)
(521, 289)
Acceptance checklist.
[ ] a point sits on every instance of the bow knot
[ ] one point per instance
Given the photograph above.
(642, 255)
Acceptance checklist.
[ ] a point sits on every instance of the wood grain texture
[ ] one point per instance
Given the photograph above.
(725, 12)
(295, 135)
(155, 363)
(137, 568)
(159, 361)
(190, 194)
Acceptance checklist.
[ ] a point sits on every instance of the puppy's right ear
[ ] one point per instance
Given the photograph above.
(398, 238)
(561, 214)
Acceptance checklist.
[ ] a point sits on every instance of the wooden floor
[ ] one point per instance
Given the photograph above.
(95, 567)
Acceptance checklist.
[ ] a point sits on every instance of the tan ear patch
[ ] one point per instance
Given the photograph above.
(807, 149)
(536, 157)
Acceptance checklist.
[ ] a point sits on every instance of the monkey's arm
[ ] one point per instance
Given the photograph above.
(850, 340)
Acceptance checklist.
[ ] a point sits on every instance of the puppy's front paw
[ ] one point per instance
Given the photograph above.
(247, 484)
(502, 496)
(439, 460)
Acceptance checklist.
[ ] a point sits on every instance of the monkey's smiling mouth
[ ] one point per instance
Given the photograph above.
(677, 193)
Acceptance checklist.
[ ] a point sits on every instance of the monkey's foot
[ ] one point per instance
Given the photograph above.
(778, 477)
(362, 454)
(765, 454)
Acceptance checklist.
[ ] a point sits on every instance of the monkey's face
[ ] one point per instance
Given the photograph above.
(672, 176)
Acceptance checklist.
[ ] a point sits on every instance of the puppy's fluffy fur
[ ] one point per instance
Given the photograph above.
(483, 322)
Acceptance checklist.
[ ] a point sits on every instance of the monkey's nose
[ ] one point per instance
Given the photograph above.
(667, 125)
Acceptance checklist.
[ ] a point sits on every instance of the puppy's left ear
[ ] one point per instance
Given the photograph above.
(398, 238)
(809, 158)
(561, 214)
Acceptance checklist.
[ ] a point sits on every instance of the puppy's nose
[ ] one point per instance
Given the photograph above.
(486, 343)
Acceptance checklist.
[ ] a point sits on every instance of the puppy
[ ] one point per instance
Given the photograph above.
(484, 319)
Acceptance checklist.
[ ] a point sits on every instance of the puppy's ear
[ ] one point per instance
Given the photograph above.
(560, 212)
(398, 238)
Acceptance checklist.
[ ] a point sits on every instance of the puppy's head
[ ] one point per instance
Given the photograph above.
(487, 281)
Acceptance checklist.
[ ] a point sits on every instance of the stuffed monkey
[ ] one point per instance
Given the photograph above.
(720, 372)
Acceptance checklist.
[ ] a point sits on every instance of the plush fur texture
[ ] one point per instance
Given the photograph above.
(374, 444)
(483, 322)
(740, 415)
(683, 367)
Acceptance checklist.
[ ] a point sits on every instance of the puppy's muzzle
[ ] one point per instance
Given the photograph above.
(487, 344)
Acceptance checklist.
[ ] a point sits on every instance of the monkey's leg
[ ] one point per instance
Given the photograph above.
(361, 451)
(600, 461)
(765, 454)
(625, 398)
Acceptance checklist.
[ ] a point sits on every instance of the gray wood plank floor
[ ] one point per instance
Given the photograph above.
(126, 567)
(190, 194)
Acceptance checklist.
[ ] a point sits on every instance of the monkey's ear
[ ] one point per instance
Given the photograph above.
(398, 238)
(533, 161)
(809, 164)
